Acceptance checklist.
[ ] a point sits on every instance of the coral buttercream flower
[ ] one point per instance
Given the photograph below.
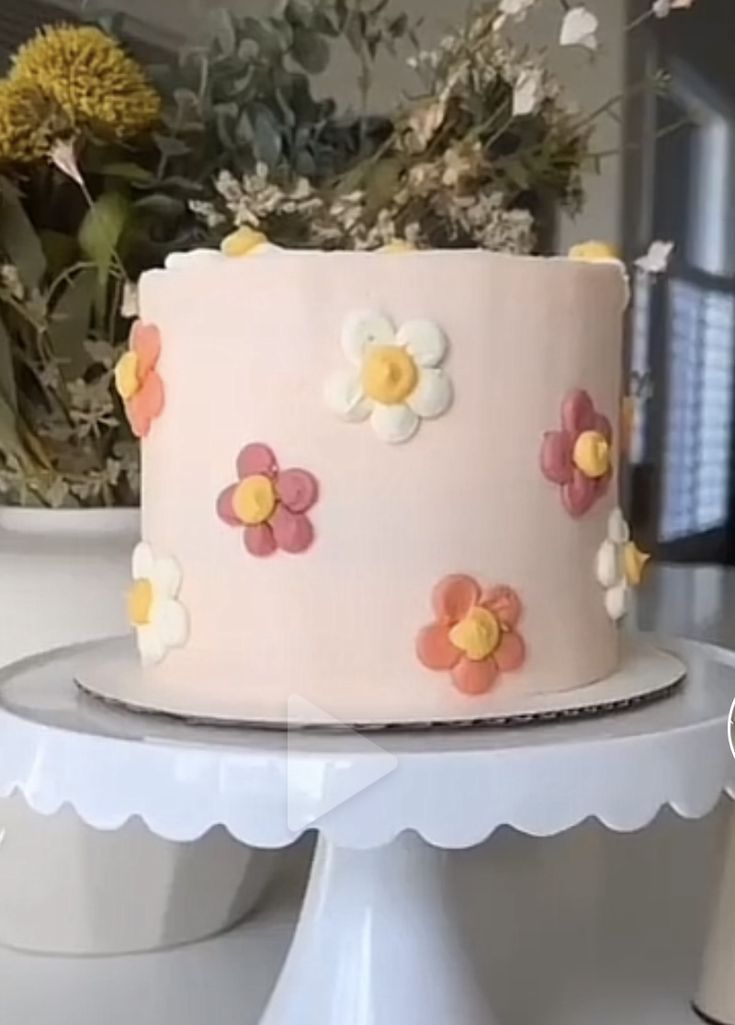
(270, 503)
(579, 456)
(474, 637)
(90, 78)
(395, 377)
(161, 622)
(619, 566)
(137, 380)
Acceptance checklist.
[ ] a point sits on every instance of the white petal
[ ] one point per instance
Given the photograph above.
(150, 645)
(363, 329)
(618, 530)
(617, 601)
(143, 560)
(344, 395)
(516, 8)
(527, 92)
(424, 340)
(608, 564)
(171, 622)
(166, 577)
(394, 424)
(656, 260)
(579, 28)
(433, 395)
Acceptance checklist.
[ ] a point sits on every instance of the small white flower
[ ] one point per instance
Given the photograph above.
(656, 260)
(528, 92)
(618, 566)
(579, 28)
(129, 308)
(663, 8)
(62, 155)
(160, 620)
(516, 8)
(394, 377)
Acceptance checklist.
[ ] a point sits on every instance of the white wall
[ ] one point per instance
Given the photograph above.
(590, 84)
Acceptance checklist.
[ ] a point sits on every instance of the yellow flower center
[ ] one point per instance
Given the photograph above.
(127, 381)
(243, 242)
(477, 635)
(398, 245)
(594, 252)
(389, 374)
(140, 600)
(254, 500)
(634, 562)
(592, 454)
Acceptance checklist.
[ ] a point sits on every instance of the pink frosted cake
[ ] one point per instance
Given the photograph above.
(380, 483)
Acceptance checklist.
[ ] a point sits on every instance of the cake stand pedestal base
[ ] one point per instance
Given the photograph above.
(377, 941)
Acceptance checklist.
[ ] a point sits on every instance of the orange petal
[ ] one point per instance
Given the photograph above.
(504, 603)
(511, 652)
(474, 677)
(138, 419)
(145, 341)
(151, 396)
(453, 597)
(434, 649)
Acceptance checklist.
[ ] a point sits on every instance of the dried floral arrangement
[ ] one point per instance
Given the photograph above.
(106, 167)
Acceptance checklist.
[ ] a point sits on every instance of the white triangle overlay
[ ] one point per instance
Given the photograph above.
(307, 782)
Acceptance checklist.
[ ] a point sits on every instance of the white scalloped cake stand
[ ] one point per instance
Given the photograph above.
(377, 942)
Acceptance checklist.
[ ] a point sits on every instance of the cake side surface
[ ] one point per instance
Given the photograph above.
(248, 347)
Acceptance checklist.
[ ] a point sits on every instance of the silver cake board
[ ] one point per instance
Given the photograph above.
(646, 674)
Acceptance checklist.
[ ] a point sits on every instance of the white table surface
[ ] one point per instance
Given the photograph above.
(597, 927)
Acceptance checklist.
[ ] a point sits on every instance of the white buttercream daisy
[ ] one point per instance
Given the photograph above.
(394, 377)
(619, 566)
(160, 620)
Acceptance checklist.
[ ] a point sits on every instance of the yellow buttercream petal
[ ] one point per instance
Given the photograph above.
(594, 252)
(592, 454)
(634, 562)
(243, 242)
(477, 635)
(126, 375)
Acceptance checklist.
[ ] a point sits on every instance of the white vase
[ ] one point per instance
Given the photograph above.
(715, 996)
(66, 888)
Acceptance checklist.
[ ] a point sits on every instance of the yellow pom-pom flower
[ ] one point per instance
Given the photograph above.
(26, 123)
(90, 78)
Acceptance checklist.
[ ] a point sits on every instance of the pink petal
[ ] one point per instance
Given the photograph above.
(603, 427)
(297, 489)
(256, 459)
(259, 540)
(225, 507)
(474, 677)
(293, 532)
(434, 649)
(511, 653)
(578, 412)
(504, 603)
(145, 341)
(556, 457)
(151, 396)
(579, 494)
(453, 597)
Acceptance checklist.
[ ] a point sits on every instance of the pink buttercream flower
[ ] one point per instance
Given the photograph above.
(269, 503)
(474, 636)
(137, 379)
(579, 456)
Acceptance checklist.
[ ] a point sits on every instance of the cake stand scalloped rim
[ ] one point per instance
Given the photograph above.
(62, 748)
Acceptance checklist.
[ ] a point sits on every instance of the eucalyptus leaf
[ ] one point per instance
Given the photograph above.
(224, 31)
(7, 373)
(310, 51)
(128, 171)
(169, 146)
(102, 228)
(70, 324)
(18, 238)
(267, 144)
(160, 204)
